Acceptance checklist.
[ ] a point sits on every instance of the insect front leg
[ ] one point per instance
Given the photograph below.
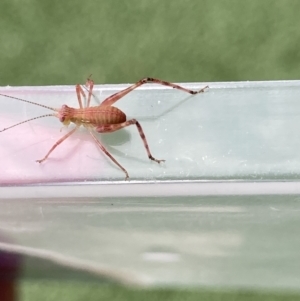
(108, 128)
(115, 97)
(90, 84)
(57, 143)
(79, 91)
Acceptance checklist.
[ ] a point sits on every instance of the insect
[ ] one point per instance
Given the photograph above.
(104, 118)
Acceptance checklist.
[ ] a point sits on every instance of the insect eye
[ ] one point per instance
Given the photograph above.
(62, 119)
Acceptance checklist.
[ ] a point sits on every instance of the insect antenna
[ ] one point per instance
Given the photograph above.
(47, 115)
(31, 102)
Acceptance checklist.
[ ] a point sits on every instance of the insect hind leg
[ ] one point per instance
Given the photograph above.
(115, 97)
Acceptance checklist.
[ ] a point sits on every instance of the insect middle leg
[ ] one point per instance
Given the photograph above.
(108, 128)
(115, 97)
(108, 154)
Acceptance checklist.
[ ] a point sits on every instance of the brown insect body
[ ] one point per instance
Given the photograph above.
(103, 118)
(91, 116)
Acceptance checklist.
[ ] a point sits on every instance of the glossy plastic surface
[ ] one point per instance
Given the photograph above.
(221, 212)
(232, 131)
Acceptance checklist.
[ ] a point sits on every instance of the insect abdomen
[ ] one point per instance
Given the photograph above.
(99, 115)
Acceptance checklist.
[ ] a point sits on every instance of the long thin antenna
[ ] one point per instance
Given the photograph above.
(86, 89)
(47, 115)
(31, 102)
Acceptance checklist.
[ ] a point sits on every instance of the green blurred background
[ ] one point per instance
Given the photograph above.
(51, 42)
